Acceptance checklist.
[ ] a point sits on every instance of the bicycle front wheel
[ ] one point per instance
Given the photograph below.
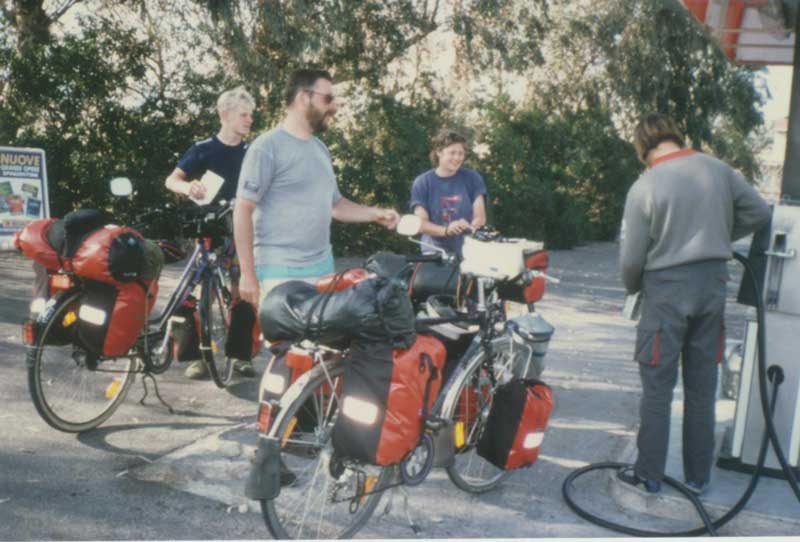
(215, 314)
(321, 496)
(469, 412)
(70, 389)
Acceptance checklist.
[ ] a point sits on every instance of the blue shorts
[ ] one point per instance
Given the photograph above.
(269, 271)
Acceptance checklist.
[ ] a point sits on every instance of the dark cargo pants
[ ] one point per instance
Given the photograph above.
(682, 317)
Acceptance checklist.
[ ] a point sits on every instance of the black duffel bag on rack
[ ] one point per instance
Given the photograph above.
(373, 310)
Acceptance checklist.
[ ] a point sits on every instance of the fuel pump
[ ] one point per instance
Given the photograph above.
(781, 298)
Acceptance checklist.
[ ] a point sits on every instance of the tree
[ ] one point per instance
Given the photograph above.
(633, 58)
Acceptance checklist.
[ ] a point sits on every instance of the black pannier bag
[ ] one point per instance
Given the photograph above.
(372, 310)
(431, 278)
(386, 395)
(243, 332)
(186, 336)
(515, 427)
(385, 264)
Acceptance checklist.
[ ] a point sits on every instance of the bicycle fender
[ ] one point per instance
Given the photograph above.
(264, 481)
(290, 396)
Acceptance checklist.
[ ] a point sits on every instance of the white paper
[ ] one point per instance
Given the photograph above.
(212, 183)
(633, 306)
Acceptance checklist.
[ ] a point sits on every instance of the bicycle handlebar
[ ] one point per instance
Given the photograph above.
(428, 257)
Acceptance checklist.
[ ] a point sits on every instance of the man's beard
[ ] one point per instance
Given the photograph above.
(316, 119)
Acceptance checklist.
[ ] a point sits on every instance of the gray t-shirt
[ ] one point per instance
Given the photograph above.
(291, 181)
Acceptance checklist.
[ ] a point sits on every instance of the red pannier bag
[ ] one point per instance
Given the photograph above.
(385, 395)
(32, 241)
(111, 254)
(110, 317)
(516, 424)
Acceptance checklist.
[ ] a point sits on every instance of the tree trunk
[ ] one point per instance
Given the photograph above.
(32, 23)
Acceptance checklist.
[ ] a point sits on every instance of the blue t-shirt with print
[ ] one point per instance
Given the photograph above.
(447, 199)
(224, 160)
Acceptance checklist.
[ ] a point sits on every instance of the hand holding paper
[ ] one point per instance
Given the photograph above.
(212, 183)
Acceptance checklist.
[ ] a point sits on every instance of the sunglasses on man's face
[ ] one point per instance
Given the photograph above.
(327, 98)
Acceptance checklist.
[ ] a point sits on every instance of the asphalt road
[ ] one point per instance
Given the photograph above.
(59, 486)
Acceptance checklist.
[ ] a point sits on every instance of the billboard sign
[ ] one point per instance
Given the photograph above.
(23, 190)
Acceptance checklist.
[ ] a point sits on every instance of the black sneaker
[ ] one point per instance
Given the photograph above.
(627, 475)
(696, 487)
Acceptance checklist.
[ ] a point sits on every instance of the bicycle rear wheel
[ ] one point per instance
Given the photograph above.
(68, 394)
(469, 413)
(321, 496)
(215, 316)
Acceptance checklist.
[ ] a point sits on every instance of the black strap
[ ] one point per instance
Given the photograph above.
(425, 360)
(322, 302)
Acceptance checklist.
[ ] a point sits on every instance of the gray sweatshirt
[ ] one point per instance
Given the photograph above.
(688, 207)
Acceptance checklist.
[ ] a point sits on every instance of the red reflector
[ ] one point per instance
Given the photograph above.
(538, 260)
(264, 417)
(299, 360)
(29, 332)
(59, 283)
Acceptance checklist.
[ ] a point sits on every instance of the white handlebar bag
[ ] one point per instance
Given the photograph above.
(500, 259)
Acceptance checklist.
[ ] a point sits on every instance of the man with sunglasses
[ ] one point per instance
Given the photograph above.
(288, 194)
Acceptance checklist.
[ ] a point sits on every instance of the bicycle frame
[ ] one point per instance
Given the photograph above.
(201, 260)
(478, 350)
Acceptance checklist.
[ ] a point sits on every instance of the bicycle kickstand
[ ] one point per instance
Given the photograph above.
(414, 526)
(155, 390)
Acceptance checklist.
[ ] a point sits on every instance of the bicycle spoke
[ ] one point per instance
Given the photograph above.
(315, 504)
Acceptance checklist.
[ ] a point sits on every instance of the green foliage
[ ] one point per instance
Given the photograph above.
(69, 98)
(377, 157)
(561, 179)
(634, 58)
(127, 90)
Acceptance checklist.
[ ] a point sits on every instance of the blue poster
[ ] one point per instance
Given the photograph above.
(23, 190)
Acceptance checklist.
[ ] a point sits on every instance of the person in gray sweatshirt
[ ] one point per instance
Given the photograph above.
(681, 217)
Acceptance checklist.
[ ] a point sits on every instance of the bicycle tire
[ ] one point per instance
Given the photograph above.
(215, 319)
(470, 472)
(67, 395)
(299, 511)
